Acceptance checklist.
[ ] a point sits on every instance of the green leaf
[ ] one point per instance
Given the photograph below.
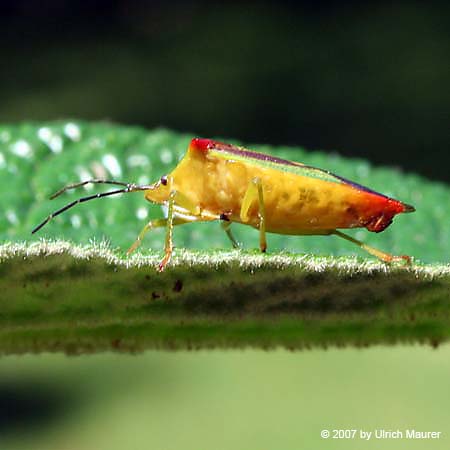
(58, 295)
(39, 158)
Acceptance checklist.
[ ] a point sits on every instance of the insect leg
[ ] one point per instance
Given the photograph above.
(386, 257)
(184, 202)
(226, 226)
(168, 244)
(155, 224)
(176, 200)
(255, 192)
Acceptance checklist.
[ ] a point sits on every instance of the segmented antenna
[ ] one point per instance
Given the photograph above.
(129, 187)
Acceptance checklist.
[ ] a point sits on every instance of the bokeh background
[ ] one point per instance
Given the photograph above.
(365, 79)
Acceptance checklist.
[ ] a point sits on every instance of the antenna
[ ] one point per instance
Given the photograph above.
(128, 187)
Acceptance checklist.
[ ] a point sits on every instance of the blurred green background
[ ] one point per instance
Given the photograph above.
(365, 79)
(224, 400)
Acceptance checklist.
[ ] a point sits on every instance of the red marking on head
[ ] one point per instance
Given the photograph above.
(202, 144)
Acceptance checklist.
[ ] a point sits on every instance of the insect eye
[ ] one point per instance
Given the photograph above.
(164, 180)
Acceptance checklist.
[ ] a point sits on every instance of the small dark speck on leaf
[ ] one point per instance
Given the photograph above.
(178, 286)
(155, 295)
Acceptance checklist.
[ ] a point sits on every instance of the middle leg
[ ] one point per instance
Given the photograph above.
(226, 226)
(255, 193)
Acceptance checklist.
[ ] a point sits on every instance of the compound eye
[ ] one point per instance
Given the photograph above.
(164, 180)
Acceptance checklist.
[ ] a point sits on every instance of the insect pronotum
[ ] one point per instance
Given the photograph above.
(217, 181)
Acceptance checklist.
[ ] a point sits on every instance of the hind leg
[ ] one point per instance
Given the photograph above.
(386, 257)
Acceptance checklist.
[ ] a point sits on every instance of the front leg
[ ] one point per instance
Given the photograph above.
(168, 243)
(157, 223)
(189, 213)
(193, 214)
(255, 193)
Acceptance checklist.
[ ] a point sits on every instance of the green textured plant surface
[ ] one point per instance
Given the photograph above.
(58, 296)
(36, 159)
(81, 299)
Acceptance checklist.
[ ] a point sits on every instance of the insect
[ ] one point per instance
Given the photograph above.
(217, 181)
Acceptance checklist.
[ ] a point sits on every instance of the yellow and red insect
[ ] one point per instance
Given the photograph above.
(217, 181)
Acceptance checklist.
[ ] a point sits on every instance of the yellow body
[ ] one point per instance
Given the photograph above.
(294, 204)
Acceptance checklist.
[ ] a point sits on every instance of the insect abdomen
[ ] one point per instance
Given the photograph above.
(294, 204)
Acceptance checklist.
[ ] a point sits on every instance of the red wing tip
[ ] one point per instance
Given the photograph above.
(408, 208)
(397, 206)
